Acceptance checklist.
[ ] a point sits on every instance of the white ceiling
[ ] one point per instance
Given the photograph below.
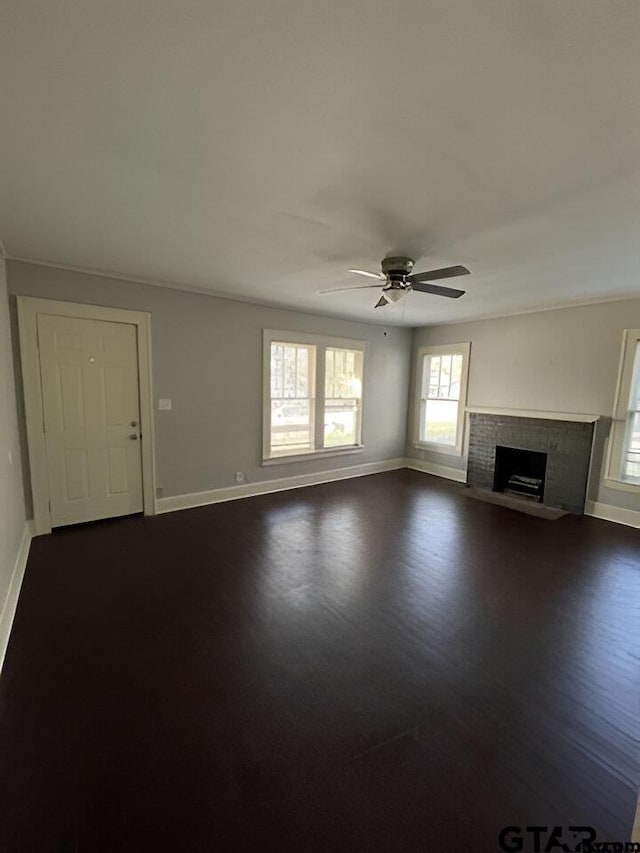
(259, 149)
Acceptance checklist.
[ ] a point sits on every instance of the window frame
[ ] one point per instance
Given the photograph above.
(463, 349)
(321, 343)
(621, 412)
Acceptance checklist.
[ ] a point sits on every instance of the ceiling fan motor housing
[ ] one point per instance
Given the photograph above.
(397, 267)
(396, 270)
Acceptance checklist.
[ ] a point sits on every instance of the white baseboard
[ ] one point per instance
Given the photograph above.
(457, 474)
(11, 601)
(630, 517)
(248, 490)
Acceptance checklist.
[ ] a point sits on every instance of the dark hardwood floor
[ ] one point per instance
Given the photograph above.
(381, 664)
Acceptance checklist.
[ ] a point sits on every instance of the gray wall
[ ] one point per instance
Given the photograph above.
(207, 357)
(565, 360)
(12, 508)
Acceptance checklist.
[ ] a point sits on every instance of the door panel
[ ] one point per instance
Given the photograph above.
(89, 372)
(116, 403)
(76, 475)
(118, 482)
(71, 396)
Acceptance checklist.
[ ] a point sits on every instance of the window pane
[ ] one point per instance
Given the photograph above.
(290, 367)
(631, 455)
(429, 382)
(434, 370)
(456, 376)
(634, 397)
(291, 426)
(630, 462)
(343, 392)
(292, 404)
(440, 422)
(341, 418)
(445, 376)
(442, 376)
(343, 374)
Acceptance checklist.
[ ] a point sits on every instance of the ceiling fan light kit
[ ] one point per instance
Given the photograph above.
(397, 280)
(394, 294)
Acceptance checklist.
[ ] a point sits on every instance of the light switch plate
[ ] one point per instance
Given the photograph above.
(164, 405)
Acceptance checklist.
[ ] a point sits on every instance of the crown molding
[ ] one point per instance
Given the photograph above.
(560, 306)
(204, 291)
(281, 306)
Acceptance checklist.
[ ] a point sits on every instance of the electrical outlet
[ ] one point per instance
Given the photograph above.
(239, 477)
(159, 491)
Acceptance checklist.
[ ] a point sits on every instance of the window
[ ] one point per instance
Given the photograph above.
(313, 394)
(292, 397)
(442, 392)
(624, 454)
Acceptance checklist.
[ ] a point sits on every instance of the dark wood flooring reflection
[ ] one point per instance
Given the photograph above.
(380, 664)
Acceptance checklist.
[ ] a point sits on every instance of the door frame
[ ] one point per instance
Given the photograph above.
(28, 309)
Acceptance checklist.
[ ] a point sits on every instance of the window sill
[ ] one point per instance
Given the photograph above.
(314, 454)
(445, 449)
(621, 485)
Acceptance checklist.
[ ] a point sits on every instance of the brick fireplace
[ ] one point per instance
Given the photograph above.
(555, 469)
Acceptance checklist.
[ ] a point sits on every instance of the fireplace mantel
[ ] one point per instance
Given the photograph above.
(532, 413)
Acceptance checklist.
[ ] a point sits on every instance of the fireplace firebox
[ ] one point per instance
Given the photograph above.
(520, 473)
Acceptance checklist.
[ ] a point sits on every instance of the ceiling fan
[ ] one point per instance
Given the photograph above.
(396, 280)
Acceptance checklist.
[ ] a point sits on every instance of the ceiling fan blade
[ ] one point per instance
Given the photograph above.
(357, 287)
(382, 301)
(377, 275)
(437, 290)
(434, 275)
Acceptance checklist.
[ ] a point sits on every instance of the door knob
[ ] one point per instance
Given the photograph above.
(133, 436)
(134, 423)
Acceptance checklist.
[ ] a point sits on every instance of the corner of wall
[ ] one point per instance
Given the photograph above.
(10, 604)
(15, 531)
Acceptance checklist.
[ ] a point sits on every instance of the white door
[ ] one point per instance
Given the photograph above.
(90, 394)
